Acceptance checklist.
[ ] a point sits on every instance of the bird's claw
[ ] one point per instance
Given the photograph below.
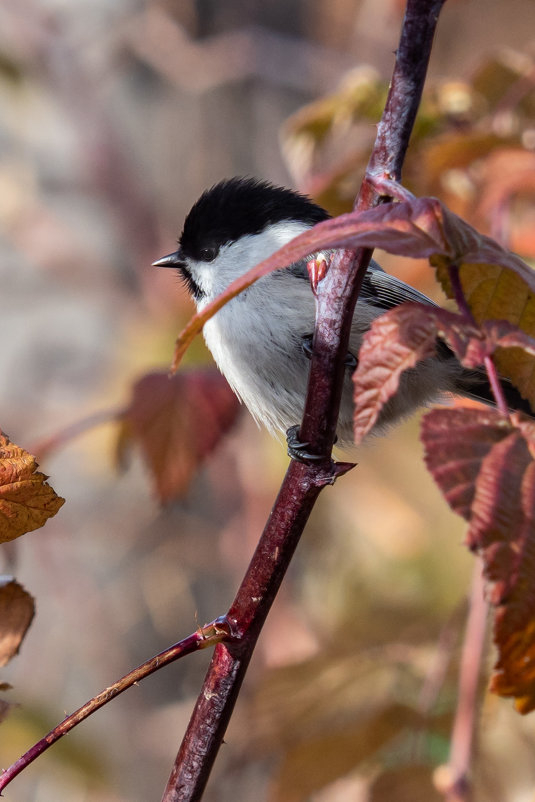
(297, 449)
(350, 361)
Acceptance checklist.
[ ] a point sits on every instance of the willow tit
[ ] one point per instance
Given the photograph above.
(261, 340)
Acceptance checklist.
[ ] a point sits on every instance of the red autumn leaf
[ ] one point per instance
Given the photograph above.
(456, 441)
(177, 422)
(405, 335)
(395, 342)
(484, 465)
(26, 499)
(17, 609)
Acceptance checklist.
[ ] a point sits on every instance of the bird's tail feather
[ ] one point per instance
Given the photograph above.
(475, 384)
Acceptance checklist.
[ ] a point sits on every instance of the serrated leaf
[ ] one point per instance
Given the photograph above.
(403, 336)
(395, 342)
(17, 609)
(456, 441)
(27, 501)
(484, 465)
(177, 422)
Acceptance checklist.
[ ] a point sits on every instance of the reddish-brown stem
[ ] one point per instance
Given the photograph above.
(457, 786)
(490, 367)
(336, 301)
(246, 616)
(206, 636)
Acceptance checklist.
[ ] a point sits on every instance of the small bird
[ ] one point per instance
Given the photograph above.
(261, 340)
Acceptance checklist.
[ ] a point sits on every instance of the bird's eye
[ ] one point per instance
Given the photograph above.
(208, 254)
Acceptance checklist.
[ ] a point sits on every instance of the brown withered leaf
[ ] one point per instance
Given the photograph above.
(17, 609)
(504, 522)
(484, 465)
(497, 285)
(27, 501)
(177, 422)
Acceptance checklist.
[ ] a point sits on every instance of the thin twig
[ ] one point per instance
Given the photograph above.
(206, 636)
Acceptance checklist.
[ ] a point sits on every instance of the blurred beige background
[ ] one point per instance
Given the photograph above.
(114, 116)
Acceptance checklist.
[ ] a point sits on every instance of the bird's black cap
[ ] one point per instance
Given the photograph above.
(240, 206)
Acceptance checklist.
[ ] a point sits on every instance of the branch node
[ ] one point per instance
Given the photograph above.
(334, 470)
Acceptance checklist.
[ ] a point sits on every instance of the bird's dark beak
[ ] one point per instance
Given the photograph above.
(171, 260)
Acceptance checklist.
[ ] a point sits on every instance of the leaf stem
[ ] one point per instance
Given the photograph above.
(490, 367)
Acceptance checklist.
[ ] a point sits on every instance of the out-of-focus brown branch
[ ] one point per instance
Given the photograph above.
(302, 483)
(42, 448)
(453, 779)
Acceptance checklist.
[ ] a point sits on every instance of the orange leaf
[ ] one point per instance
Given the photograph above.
(177, 421)
(17, 609)
(26, 499)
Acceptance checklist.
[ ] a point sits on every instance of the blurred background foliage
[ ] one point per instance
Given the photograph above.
(114, 117)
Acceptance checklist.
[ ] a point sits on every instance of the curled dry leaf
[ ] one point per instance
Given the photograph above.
(177, 422)
(484, 465)
(27, 501)
(17, 609)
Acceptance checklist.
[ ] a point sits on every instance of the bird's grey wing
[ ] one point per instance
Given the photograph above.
(385, 291)
(380, 289)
